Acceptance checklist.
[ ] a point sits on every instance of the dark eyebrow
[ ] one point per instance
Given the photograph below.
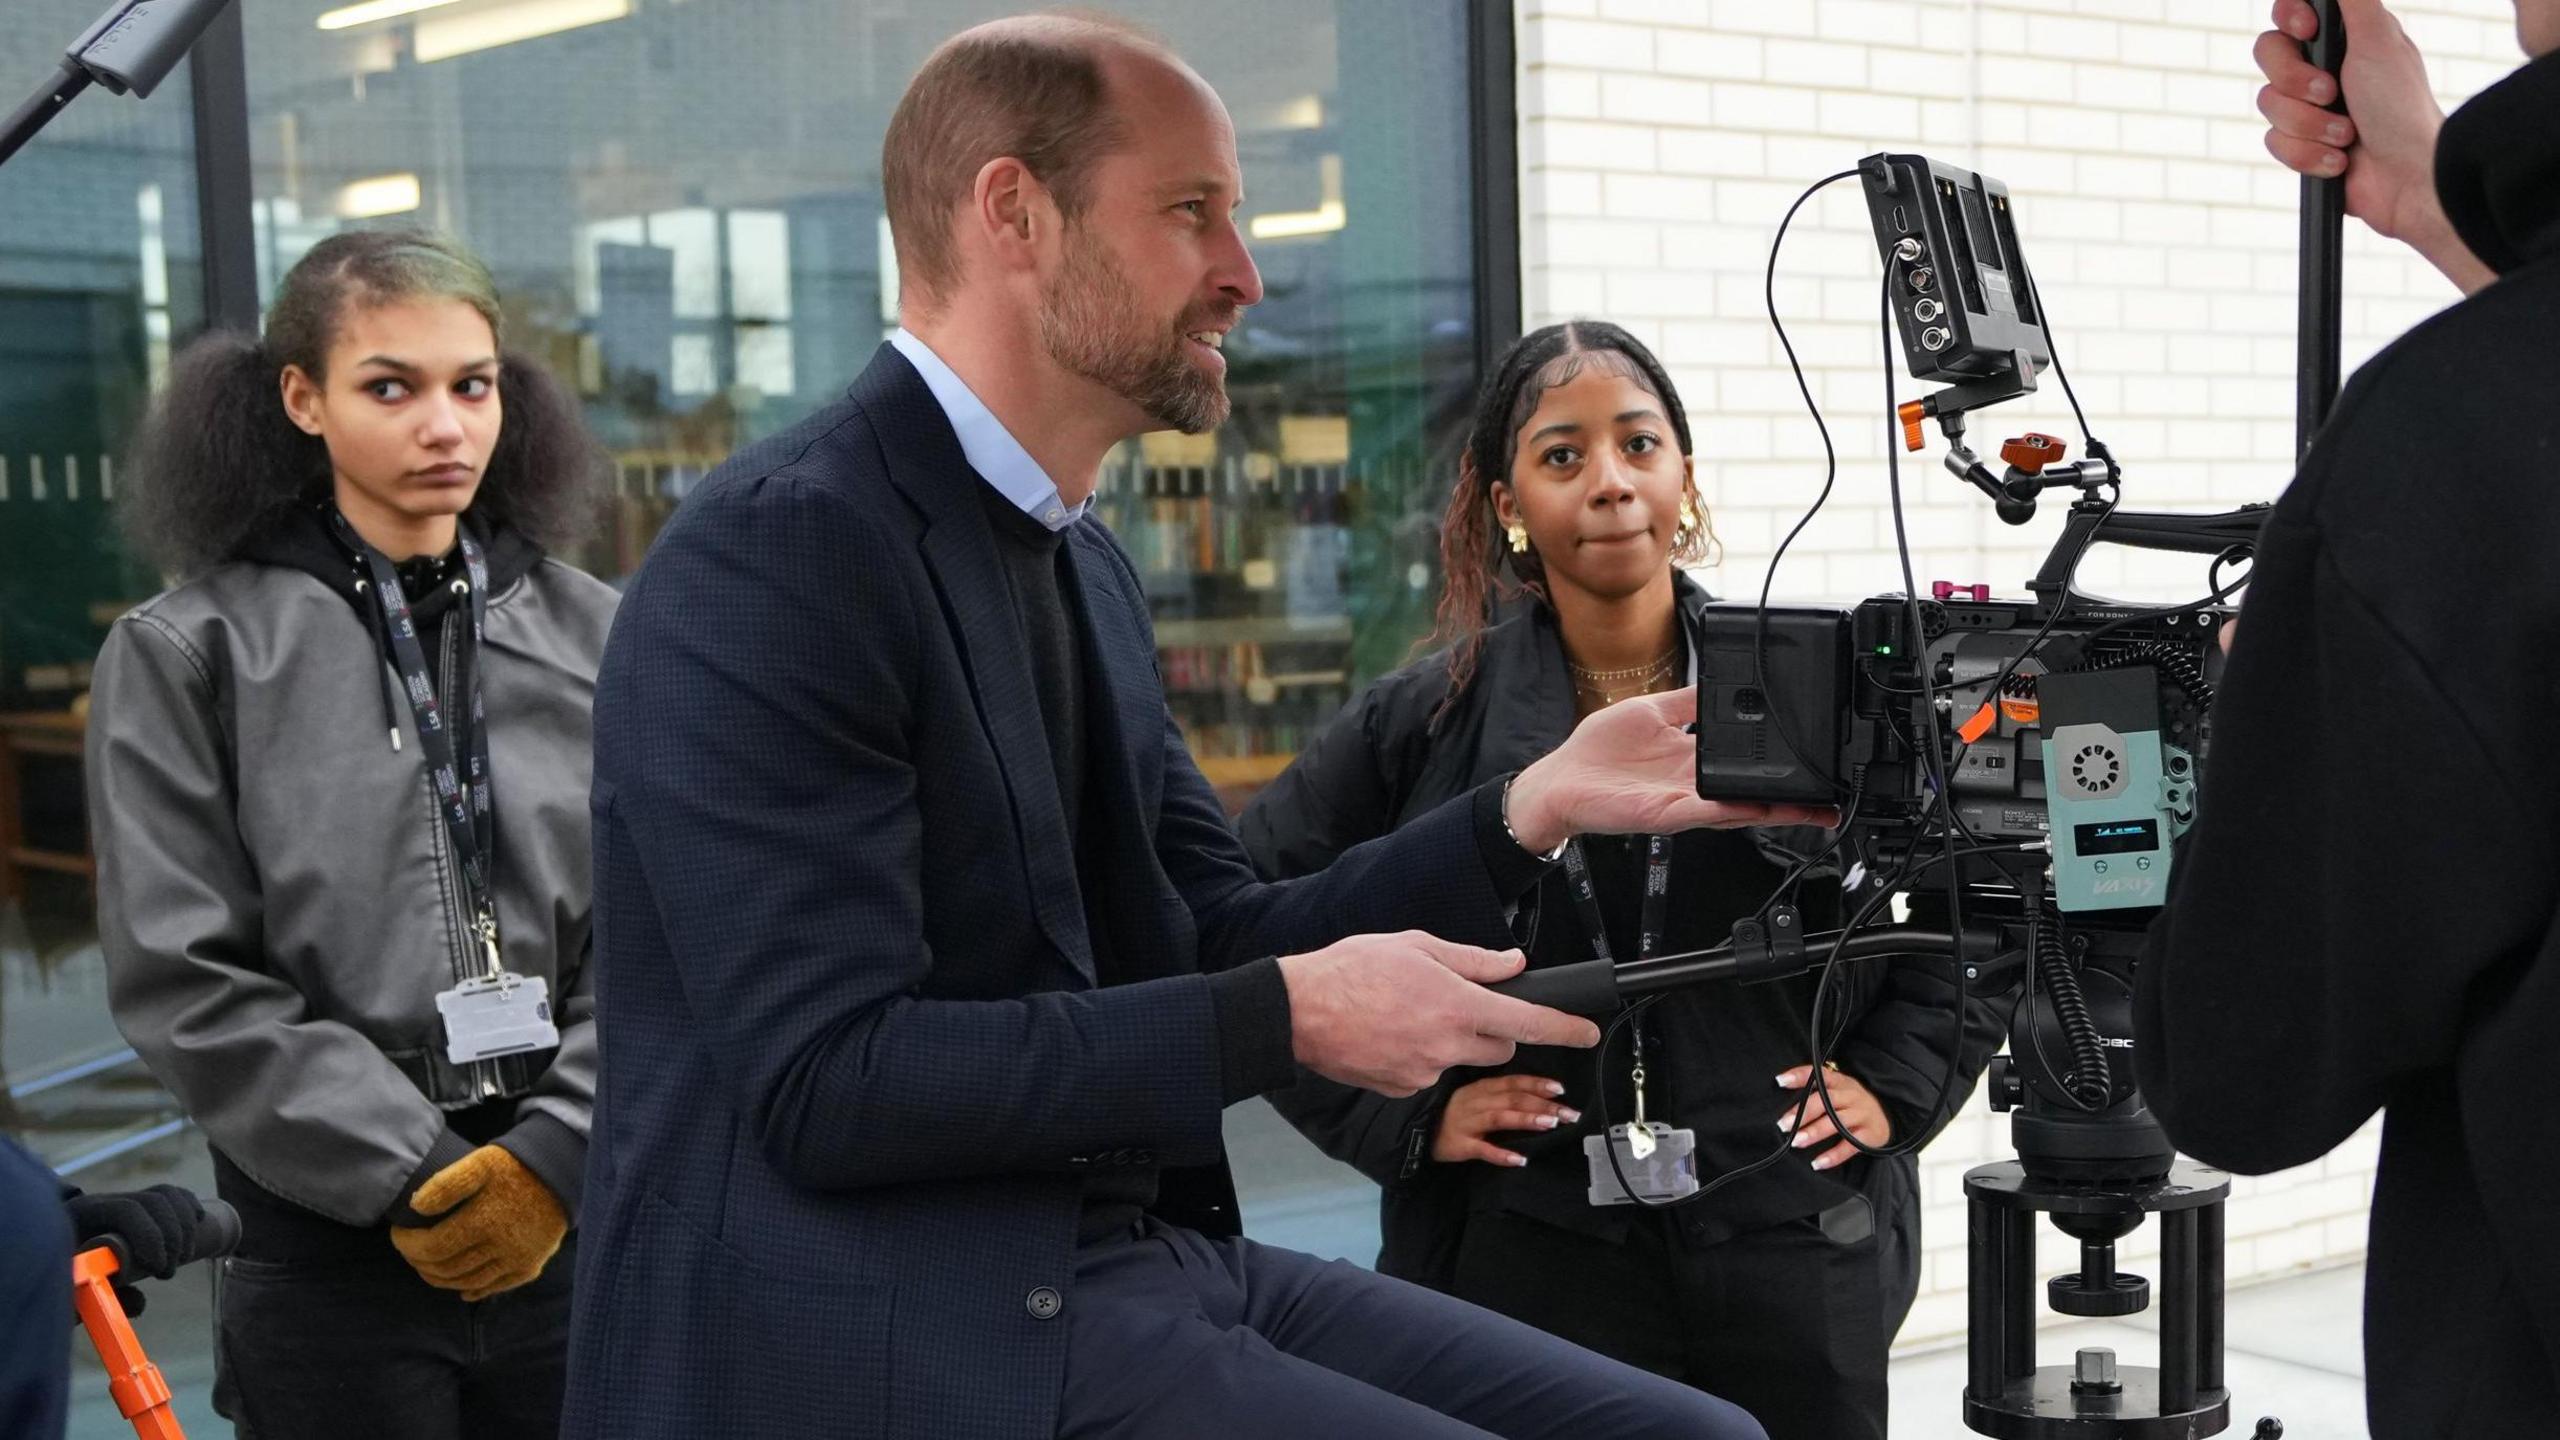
(1638, 415)
(1204, 185)
(1567, 427)
(404, 367)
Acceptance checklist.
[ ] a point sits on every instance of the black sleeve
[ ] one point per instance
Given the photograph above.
(2362, 863)
(1336, 794)
(1900, 1047)
(1257, 1050)
(1387, 1140)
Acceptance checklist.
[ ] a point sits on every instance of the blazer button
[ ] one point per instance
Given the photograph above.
(1043, 1303)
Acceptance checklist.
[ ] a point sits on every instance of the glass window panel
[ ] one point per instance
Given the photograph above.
(99, 270)
(691, 239)
(760, 264)
(100, 274)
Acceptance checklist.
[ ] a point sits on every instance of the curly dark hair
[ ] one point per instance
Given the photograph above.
(1473, 556)
(217, 461)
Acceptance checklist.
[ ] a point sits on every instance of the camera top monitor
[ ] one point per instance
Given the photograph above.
(1960, 292)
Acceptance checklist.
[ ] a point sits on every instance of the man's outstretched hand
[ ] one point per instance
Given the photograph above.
(1632, 769)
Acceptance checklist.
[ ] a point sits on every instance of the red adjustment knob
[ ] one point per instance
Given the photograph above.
(1950, 590)
(2032, 451)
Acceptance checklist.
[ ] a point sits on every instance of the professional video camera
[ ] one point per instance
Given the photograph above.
(2017, 774)
(1963, 729)
(2044, 755)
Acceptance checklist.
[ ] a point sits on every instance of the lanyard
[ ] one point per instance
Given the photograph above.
(463, 798)
(1657, 896)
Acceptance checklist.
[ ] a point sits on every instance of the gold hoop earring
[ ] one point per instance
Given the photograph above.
(1519, 534)
(1689, 521)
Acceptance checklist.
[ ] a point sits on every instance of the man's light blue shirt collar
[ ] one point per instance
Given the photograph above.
(991, 449)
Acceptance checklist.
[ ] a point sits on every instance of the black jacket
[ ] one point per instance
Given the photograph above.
(1715, 1051)
(2364, 916)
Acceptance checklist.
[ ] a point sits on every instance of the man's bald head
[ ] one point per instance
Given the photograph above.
(1037, 88)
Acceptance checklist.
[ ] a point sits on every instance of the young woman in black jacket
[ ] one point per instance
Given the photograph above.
(1781, 1290)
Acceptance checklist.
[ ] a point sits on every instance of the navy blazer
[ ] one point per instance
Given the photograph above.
(855, 1061)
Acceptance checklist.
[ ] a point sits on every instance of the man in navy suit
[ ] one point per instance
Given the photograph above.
(928, 959)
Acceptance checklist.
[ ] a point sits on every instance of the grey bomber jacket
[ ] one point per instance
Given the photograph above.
(278, 900)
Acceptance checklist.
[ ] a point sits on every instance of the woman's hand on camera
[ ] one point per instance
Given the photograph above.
(1497, 1103)
(1854, 1108)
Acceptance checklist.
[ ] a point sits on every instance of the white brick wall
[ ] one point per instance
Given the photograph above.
(1661, 142)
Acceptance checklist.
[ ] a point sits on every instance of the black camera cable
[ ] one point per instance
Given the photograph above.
(1820, 766)
(1865, 915)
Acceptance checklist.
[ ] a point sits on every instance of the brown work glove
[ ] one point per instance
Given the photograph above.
(500, 1225)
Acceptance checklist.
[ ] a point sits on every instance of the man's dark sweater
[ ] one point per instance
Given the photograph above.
(1251, 1002)
(2365, 918)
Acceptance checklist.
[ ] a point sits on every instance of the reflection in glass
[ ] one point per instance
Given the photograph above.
(682, 202)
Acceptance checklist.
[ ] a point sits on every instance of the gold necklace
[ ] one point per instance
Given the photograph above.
(1659, 662)
(1593, 683)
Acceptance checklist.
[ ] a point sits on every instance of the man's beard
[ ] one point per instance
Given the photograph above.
(1090, 323)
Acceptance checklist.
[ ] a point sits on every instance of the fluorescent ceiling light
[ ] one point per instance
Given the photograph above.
(1328, 215)
(1284, 224)
(372, 10)
(381, 195)
(1304, 113)
(441, 37)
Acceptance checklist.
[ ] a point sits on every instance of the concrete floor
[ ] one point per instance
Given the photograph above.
(2294, 1350)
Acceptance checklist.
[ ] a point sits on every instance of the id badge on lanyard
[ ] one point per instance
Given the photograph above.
(496, 1012)
(1660, 1161)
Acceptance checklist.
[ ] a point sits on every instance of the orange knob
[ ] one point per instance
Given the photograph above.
(2032, 451)
(1912, 414)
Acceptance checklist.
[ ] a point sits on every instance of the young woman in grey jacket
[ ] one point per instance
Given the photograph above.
(338, 781)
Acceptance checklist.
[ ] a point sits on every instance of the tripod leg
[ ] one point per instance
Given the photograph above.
(2018, 1294)
(1986, 1252)
(2000, 1343)
(2179, 1331)
(2209, 1277)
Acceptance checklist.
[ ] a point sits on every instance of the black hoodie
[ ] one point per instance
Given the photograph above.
(305, 540)
(2364, 918)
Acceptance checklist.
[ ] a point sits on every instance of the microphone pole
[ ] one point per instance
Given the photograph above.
(130, 49)
(2324, 213)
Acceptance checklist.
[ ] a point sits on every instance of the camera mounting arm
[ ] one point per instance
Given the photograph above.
(2213, 534)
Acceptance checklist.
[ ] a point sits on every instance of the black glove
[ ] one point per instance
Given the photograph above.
(156, 1227)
